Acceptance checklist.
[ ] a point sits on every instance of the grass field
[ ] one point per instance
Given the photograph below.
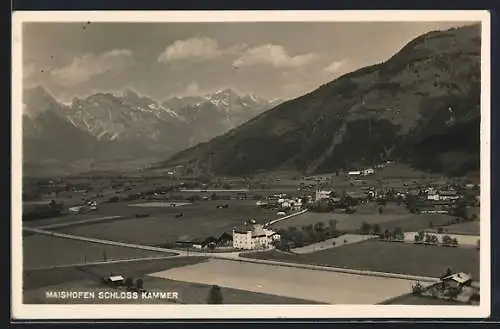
(352, 222)
(391, 257)
(321, 286)
(36, 283)
(469, 228)
(42, 250)
(64, 276)
(200, 220)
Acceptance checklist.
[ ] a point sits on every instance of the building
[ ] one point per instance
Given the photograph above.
(355, 173)
(225, 240)
(199, 243)
(323, 194)
(254, 237)
(448, 195)
(457, 280)
(368, 171)
(115, 280)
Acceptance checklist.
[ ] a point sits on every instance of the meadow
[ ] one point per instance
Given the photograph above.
(199, 220)
(320, 286)
(390, 257)
(43, 251)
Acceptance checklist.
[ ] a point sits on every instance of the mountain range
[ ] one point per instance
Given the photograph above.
(106, 127)
(421, 107)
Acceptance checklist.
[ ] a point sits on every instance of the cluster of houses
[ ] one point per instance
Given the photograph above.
(426, 199)
(282, 202)
(90, 206)
(360, 173)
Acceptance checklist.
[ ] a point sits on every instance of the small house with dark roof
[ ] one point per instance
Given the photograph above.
(457, 280)
(225, 240)
(198, 243)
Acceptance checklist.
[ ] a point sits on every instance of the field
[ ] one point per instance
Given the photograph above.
(36, 283)
(353, 222)
(466, 228)
(321, 286)
(409, 299)
(339, 242)
(391, 257)
(200, 220)
(42, 250)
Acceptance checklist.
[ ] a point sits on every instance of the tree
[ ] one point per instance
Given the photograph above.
(333, 224)
(129, 282)
(215, 295)
(365, 228)
(460, 209)
(318, 227)
(417, 288)
(139, 284)
(398, 233)
(419, 237)
(447, 240)
(387, 234)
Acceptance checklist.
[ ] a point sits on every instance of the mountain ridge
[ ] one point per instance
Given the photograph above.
(354, 119)
(129, 125)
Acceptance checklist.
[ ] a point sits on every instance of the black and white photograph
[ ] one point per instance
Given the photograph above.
(279, 164)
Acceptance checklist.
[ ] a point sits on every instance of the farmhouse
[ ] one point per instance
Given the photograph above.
(457, 280)
(254, 237)
(225, 240)
(199, 243)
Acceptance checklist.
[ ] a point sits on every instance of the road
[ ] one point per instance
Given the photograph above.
(231, 256)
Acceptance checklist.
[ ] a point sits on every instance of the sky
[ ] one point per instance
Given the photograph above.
(161, 60)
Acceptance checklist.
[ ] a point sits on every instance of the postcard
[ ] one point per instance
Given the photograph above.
(251, 164)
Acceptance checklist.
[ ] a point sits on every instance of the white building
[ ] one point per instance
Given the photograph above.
(368, 171)
(323, 194)
(354, 173)
(434, 197)
(255, 237)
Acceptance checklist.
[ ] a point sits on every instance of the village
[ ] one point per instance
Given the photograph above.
(328, 220)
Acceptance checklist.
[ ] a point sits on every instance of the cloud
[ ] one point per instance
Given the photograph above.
(273, 55)
(334, 67)
(85, 67)
(197, 49)
(192, 89)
